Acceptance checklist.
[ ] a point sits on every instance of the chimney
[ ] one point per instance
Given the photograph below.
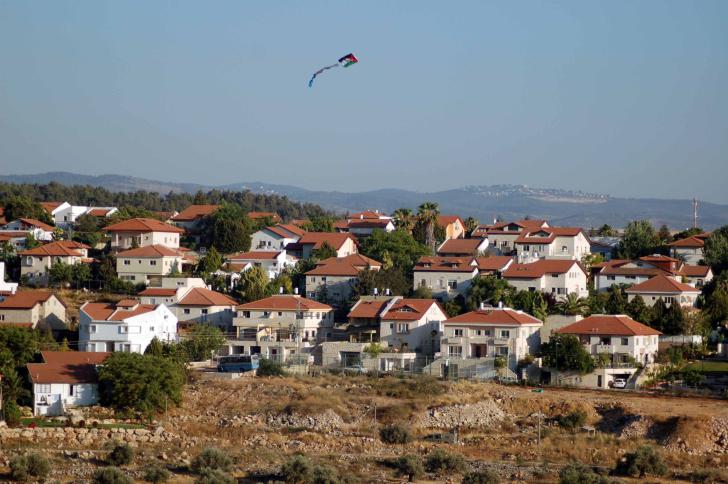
(500, 304)
(482, 305)
(280, 290)
(295, 291)
(388, 292)
(376, 291)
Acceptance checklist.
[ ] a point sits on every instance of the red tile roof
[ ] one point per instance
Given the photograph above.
(285, 302)
(142, 225)
(253, 255)
(150, 251)
(694, 271)
(199, 296)
(366, 215)
(539, 268)
(463, 247)
(25, 299)
(496, 316)
(661, 284)
(294, 229)
(610, 325)
(112, 312)
(547, 235)
(444, 264)
(37, 223)
(350, 265)
(50, 206)
(409, 309)
(193, 212)
(368, 224)
(368, 308)
(445, 220)
(493, 263)
(696, 242)
(72, 367)
(99, 212)
(258, 215)
(51, 249)
(335, 240)
(158, 292)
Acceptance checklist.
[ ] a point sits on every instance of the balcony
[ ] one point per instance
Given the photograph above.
(500, 341)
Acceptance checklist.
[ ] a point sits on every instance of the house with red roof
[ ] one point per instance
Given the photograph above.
(690, 249)
(127, 325)
(558, 277)
(493, 265)
(275, 238)
(621, 344)
(271, 216)
(280, 326)
(36, 262)
(41, 231)
(463, 247)
(64, 380)
(333, 279)
(446, 277)
(502, 235)
(666, 288)
(452, 225)
(65, 215)
(412, 325)
(149, 264)
(344, 244)
(552, 243)
(190, 219)
(363, 224)
(32, 309)
(490, 333)
(142, 232)
(272, 262)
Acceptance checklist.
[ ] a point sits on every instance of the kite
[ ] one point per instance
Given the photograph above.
(345, 61)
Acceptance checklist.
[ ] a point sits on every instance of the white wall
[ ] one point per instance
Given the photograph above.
(50, 399)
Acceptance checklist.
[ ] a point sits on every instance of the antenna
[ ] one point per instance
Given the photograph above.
(695, 213)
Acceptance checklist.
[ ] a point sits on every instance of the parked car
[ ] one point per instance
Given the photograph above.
(619, 383)
(355, 370)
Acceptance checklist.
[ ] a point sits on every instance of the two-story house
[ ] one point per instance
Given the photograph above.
(6, 287)
(279, 326)
(622, 271)
(447, 277)
(332, 279)
(39, 230)
(272, 262)
(502, 235)
(463, 247)
(559, 277)
(36, 262)
(142, 232)
(275, 238)
(344, 244)
(552, 243)
(127, 326)
(622, 344)
(690, 249)
(489, 333)
(149, 264)
(412, 325)
(665, 288)
(33, 309)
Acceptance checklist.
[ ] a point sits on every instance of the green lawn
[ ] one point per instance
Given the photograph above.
(709, 366)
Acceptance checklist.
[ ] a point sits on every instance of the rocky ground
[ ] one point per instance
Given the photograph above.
(261, 422)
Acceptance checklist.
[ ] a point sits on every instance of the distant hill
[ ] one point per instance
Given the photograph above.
(562, 207)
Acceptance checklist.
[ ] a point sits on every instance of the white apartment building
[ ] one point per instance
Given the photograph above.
(555, 276)
(412, 325)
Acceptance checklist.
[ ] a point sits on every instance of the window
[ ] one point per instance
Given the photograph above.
(280, 313)
(402, 328)
(92, 328)
(452, 284)
(563, 248)
(625, 341)
(187, 310)
(502, 350)
(458, 332)
(204, 311)
(151, 329)
(152, 263)
(2, 317)
(44, 388)
(70, 389)
(313, 279)
(505, 333)
(610, 278)
(127, 262)
(455, 351)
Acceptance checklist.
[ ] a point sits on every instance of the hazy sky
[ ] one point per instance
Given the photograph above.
(619, 97)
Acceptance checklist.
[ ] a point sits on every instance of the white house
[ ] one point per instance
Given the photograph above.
(6, 287)
(332, 279)
(148, 264)
(64, 214)
(142, 232)
(690, 249)
(447, 277)
(39, 230)
(697, 276)
(279, 326)
(491, 332)
(621, 271)
(272, 262)
(190, 219)
(412, 325)
(552, 243)
(623, 343)
(275, 238)
(127, 326)
(365, 228)
(36, 262)
(492, 265)
(64, 380)
(665, 288)
(555, 276)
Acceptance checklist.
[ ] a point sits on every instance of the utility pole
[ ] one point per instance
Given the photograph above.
(695, 213)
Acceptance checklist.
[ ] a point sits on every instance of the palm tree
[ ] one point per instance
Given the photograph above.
(427, 215)
(572, 305)
(404, 219)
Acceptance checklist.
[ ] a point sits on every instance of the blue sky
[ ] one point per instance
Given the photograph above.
(620, 97)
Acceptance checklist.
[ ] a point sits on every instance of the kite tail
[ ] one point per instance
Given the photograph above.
(310, 83)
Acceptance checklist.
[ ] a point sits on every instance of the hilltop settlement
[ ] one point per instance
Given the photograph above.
(122, 303)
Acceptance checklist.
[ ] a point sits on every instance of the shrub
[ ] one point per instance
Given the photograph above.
(214, 476)
(212, 459)
(485, 476)
(395, 434)
(572, 420)
(643, 461)
(12, 413)
(410, 466)
(578, 473)
(111, 475)
(323, 474)
(29, 465)
(268, 367)
(442, 461)
(297, 469)
(121, 455)
(156, 474)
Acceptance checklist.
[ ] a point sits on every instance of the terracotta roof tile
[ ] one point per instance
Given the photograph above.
(158, 292)
(368, 308)
(199, 296)
(350, 265)
(608, 325)
(51, 249)
(661, 284)
(66, 367)
(463, 247)
(150, 251)
(409, 309)
(694, 271)
(25, 299)
(111, 312)
(37, 223)
(253, 255)
(142, 225)
(335, 240)
(258, 215)
(194, 212)
(50, 206)
(539, 268)
(494, 262)
(496, 316)
(444, 264)
(693, 241)
(444, 220)
(285, 302)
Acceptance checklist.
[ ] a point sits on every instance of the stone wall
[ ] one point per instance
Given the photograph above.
(75, 437)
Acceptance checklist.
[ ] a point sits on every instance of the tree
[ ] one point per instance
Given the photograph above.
(485, 476)
(422, 292)
(297, 469)
(121, 454)
(204, 340)
(659, 315)
(716, 300)
(578, 473)
(606, 231)
(80, 274)
(716, 250)
(664, 234)
(324, 252)
(470, 225)
(30, 465)
(17, 207)
(283, 280)
(489, 289)
(319, 224)
(615, 303)
(209, 263)
(111, 475)
(641, 463)
(409, 466)
(228, 229)
(155, 473)
(87, 230)
(31, 242)
(60, 273)
(566, 353)
(674, 320)
(382, 279)
(427, 215)
(572, 304)
(213, 459)
(253, 285)
(638, 310)
(399, 246)
(404, 219)
(639, 239)
(138, 383)
(155, 348)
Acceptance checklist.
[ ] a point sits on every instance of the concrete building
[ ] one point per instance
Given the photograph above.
(447, 277)
(559, 277)
(665, 288)
(142, 232)
(148, 264)
(332, 280)
(32, 309)
(412, 325)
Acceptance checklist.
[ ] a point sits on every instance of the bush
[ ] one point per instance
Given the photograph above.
(297, 469)
(121, 455)
(323, 474)
(481, 477)
(442, 461)
(12, 413)
(156, 474)
(410, 466)
(111, 475)
(572, 420)
(29, 465)
(212, 459)
(395, 434)
(578, 473)
(268, 367)
(214, 476)
(642, 462)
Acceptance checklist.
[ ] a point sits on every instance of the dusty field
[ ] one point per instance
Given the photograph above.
(261, 422)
